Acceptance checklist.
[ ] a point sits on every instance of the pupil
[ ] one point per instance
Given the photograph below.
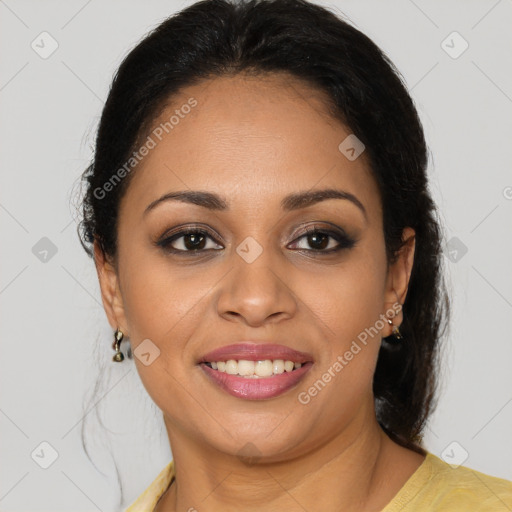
(194, 241)
(318, 241)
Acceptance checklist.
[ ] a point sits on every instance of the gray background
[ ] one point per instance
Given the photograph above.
(52, 316)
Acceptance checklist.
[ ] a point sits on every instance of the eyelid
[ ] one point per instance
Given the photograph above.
(321, 225)
(306, 228)
(183, 229)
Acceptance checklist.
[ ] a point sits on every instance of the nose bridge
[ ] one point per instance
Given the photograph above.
(255, 289)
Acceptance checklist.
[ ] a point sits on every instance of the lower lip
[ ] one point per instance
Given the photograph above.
(257, 389)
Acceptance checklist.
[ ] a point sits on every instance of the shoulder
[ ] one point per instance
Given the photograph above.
(442, 487)
(462, 485)
(148, 499)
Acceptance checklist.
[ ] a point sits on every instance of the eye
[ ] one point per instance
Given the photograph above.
(189, 240)
(323, 241)
(197, 241)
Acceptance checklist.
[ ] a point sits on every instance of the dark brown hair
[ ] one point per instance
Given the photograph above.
(218, 37)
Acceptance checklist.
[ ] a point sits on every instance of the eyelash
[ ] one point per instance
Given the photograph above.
(343, 241)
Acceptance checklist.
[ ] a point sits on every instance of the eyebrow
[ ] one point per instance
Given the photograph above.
(291, 202)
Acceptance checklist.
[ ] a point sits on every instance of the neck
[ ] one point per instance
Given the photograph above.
(356, 470)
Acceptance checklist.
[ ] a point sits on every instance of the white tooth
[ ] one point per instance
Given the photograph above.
(288, 366)
(278, 366)
(263, 368)
(232, 367)
(245, 367)
(221, 366)
(214, 366)
(297, 365)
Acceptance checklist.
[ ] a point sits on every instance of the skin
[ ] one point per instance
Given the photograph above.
(254, 140)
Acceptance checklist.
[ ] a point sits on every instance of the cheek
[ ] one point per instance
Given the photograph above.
(160, 299)
(349, 298)
(349, 306)
(165, 305)
(348, 303)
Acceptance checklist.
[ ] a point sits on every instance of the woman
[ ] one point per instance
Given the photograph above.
(260, 219)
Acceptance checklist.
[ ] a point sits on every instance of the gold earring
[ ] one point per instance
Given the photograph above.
(396, 331)
(118, 338)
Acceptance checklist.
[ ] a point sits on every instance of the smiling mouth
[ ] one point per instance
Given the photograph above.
(254, 369)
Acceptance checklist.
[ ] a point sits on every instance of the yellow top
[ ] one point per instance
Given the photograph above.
(434, 487)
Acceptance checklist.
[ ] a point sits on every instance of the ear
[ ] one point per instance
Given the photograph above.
(110, 291)
(399, 273)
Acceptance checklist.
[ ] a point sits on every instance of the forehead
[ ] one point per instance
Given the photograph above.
(250, 138)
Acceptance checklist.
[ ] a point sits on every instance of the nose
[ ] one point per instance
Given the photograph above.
(256, 293)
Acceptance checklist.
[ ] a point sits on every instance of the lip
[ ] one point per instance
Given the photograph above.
(257, 389)
(252, 351)
(261, 388)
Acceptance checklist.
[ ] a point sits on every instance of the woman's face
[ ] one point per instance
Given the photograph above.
(252, 284)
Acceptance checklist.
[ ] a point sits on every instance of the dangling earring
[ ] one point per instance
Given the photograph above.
(396, 331)
(118, 338)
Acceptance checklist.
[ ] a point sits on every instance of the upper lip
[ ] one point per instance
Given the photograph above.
(256, 351)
